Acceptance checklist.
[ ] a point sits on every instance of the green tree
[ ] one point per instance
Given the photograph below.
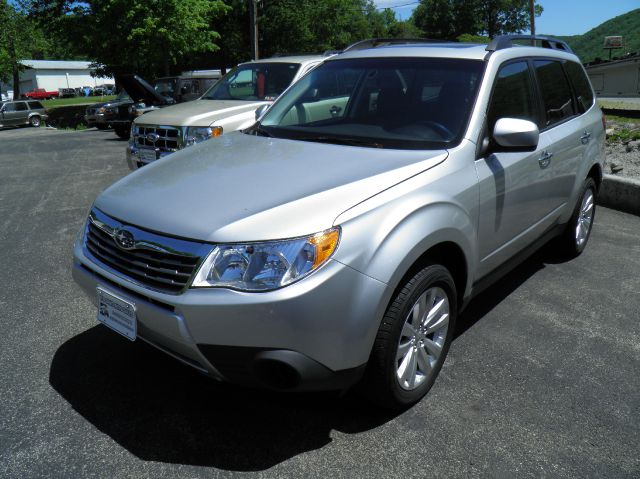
(452, 18)
(19, 39)
(150, 37)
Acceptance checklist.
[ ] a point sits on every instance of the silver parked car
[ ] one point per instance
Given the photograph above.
(337, 239)
(23, 112)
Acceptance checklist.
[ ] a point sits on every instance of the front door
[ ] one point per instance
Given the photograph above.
(514, 206)
(10, 114)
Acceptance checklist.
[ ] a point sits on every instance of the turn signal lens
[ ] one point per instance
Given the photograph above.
(325, 243)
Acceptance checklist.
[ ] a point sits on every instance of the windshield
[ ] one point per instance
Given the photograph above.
(122, 96)
(166, 87)
(254, 81)
(405, 103)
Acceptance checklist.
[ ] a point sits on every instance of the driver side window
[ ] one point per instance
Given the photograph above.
(242, 84)
(512, 95)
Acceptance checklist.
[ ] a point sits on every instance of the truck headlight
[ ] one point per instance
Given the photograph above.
(267, 265)
(197, 134)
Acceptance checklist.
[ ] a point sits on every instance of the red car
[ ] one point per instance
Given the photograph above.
(41, 94)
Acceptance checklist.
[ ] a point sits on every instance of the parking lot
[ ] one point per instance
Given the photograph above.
(543, 378)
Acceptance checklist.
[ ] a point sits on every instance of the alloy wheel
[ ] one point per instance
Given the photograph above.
(422, 338)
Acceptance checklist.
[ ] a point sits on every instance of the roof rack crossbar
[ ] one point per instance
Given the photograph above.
(381, 42)
(506, 41)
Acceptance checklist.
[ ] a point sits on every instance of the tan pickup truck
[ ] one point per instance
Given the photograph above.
(227, 106)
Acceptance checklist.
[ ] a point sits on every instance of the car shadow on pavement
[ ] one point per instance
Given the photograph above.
(482, 305)
(161, 410)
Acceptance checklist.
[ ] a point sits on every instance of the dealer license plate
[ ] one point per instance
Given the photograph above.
(118, 314)
(147, 155)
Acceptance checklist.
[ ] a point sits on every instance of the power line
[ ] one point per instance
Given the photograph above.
(397, 6)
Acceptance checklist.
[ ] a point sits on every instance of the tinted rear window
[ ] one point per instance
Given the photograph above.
(581, 85)
(35, 105)
(21, 106)
(556, 92)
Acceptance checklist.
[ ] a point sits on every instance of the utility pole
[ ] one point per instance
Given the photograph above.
(253, 20)
(532, 13)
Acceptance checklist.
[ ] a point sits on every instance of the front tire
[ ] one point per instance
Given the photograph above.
(121, 132)
(576, 236)
(413, 339)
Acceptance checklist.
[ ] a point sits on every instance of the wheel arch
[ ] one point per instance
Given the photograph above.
(446, 253)
(596, 173)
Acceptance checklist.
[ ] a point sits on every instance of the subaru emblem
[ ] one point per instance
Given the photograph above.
(124, 239)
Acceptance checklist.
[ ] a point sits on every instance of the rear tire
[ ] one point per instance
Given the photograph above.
(413, 339)
(35, 121)
(575, 238)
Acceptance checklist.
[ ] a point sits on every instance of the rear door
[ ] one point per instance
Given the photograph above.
(561, 121)
(514, 207)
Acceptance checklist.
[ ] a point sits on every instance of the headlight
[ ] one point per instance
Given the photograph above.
(266, 266)
(197, 134)
(102, 110)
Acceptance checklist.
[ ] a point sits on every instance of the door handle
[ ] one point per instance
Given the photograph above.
(586, 136)
(545, 160)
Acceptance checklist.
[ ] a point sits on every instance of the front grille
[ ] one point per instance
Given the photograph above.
(164, 138)
(123, 111)
(91, 111)
(161, 270)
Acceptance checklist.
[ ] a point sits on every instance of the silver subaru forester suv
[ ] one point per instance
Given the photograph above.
(336, 241)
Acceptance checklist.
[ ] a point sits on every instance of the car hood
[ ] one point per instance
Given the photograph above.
(110, 103)
(246, 188)
(198, 112)
(140, 91)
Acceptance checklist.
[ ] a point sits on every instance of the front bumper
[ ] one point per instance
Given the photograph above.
(312, 335)
(135, 159)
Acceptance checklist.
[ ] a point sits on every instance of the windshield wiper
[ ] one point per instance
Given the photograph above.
(258, 130)
(340, 141)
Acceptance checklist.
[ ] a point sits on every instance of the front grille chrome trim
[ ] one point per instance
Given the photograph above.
(156, 262)
(167, 139)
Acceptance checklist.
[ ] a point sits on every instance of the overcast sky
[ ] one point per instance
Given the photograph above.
(560, 17)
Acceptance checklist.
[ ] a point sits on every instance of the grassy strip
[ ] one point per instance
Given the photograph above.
(79, 100)
(621, 118)
(618, 105)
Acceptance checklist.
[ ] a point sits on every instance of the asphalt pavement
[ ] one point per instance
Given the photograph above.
(543, 379)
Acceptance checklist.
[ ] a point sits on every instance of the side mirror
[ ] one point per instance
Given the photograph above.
(515, 134)
(261, 111)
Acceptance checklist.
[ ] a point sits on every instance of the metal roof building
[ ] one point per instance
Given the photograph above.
(54, 74)
(616, 78)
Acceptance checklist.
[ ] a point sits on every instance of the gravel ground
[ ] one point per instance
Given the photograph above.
(617, 154)
(625, 154)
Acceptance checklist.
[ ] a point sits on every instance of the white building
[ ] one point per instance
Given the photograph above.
(54, 74)
(616, 78)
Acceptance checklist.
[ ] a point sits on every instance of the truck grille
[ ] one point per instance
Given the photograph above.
(91, 111)
(158, 265)
(164, 138)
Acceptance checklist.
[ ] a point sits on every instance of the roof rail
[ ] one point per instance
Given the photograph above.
(383, 42)
(506, 41)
